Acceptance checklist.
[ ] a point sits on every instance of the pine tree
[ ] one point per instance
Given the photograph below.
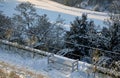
(78, 36)
(112, 33)
(92, 34)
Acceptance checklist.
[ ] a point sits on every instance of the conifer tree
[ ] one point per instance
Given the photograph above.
(78, 36)
(112, 33)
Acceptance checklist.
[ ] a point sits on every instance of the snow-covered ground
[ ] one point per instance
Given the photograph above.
(39, 64)
(53, 9)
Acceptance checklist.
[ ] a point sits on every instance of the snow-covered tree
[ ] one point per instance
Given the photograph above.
(111, 34)
(114, 27)
(92, 34)
(57, 34)
(50, 35)
(78, 36)
(24, 18)
(41, 29)
(26, 14)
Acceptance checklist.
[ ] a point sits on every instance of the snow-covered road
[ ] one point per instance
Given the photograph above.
(53, 9)
(54, 6)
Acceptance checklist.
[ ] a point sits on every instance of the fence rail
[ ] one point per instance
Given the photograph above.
(7, 45)
(10, 45)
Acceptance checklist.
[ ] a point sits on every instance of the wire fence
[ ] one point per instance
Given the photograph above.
(111, 58)
(89, 47)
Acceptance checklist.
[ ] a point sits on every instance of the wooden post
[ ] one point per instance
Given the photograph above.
(73, 67)
(77, 64)
(48, 59)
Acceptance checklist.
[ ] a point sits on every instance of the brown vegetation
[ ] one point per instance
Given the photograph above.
(10, 71)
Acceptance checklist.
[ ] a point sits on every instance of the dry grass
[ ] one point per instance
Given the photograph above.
(39, 76)
(13, 75)
(15, 72)
(2, 74)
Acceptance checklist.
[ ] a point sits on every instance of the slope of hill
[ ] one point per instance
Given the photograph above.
(53, 6)
(53, 9)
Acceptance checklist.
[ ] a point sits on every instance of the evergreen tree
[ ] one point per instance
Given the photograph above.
(112, 33)
(78, 36)
(115, 27)
(92, 34)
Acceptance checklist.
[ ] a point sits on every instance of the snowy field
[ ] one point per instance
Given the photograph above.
(22, 58)
(53, 9)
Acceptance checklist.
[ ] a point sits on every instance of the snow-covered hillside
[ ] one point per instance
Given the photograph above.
(53, 9)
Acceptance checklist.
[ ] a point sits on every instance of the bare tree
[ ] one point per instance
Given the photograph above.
(26, 15)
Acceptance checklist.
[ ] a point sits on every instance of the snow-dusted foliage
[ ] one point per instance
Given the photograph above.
(57, 34)
(26, 15)
(5, 26)
(50, 35)
(24, 18)
(82, 32)
(109, 41)
(112, 33)
(84, 35)
(29, 28)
